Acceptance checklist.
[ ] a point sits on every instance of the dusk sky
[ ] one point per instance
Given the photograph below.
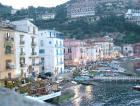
(17, 4)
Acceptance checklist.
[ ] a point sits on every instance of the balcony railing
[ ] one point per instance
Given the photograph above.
(33, 44)
(22, 53)
(34, 53)
(9, 39)
(10, 67)
(35, 64)
(22, 42)
(22, 65)
(9, 52)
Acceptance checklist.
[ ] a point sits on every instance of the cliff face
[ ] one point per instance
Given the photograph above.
(10, 98)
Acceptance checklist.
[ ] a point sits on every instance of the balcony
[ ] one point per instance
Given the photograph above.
(59, 46)
(9, 39)
(22, 54)
(10, 67)
(23, 65)
(33, 44)
(34, 53)
(22, 42)
(35, 64)
(9, 52)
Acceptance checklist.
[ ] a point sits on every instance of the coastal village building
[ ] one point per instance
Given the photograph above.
(94, 52)
(117, 51)
(128, 50)
(133, 16)
(106, 45)
(75, 52)
(48, 16)
(137, 50)
(7, 57)
(51, 51)
(81, 8)
(19, 50)
(26, 43)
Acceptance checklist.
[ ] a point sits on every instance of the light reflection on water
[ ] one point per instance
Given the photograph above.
(105, 94)
(88, 90)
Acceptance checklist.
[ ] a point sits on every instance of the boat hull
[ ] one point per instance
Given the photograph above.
(136, 88)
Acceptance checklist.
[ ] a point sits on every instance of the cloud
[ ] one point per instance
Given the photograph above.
(17, 4)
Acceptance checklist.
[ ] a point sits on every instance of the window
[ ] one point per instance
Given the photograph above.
(42, 60)
(8, 49)
(42, 51)
(56, 43)
(8, 63)
(50, 42)
(69, 50)
(50, 34)
(60, 52)
(70, 58)
(57, 52)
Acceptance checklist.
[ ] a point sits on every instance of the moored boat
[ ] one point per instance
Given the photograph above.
(137, 87)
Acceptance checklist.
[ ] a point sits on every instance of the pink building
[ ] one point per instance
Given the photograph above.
(75, 52)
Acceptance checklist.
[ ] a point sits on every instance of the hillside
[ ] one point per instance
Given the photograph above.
(4, 10)
(109, 22)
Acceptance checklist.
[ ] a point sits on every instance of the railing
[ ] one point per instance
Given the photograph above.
(34, 53)
(9, 39)
(9, 52)
(22, 65)
(22, 42)
(33, 44)
(134, 78)
(35, 64)
(10, 67)
(22, 53)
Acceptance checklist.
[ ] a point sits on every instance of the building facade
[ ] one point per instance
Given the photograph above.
(133, 16)
(26, 45)
(137, 50)
(81, 8)
(75, 52)
(128, 50)
(7, 56)
(105, 45)
(51, 51)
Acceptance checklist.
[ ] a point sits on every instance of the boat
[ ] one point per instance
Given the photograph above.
(86, 83)
(137, 87)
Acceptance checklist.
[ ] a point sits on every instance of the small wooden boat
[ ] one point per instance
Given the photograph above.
(137, 87)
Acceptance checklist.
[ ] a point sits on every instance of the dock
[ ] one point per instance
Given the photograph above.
(45, 97)
(119, 78)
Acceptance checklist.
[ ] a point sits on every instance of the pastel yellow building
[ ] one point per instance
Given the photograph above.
(7, 56)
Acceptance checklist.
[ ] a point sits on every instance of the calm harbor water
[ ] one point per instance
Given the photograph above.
(104, 94)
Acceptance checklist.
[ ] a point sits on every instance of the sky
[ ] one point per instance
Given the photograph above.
(18, 4)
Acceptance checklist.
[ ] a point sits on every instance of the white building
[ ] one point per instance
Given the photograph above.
(105, 46)
(51, 51)
(26, 48)
(48, 16)
(133, 16)
(128, 50)
(94, 52)
(13, 11)
(81, 8)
